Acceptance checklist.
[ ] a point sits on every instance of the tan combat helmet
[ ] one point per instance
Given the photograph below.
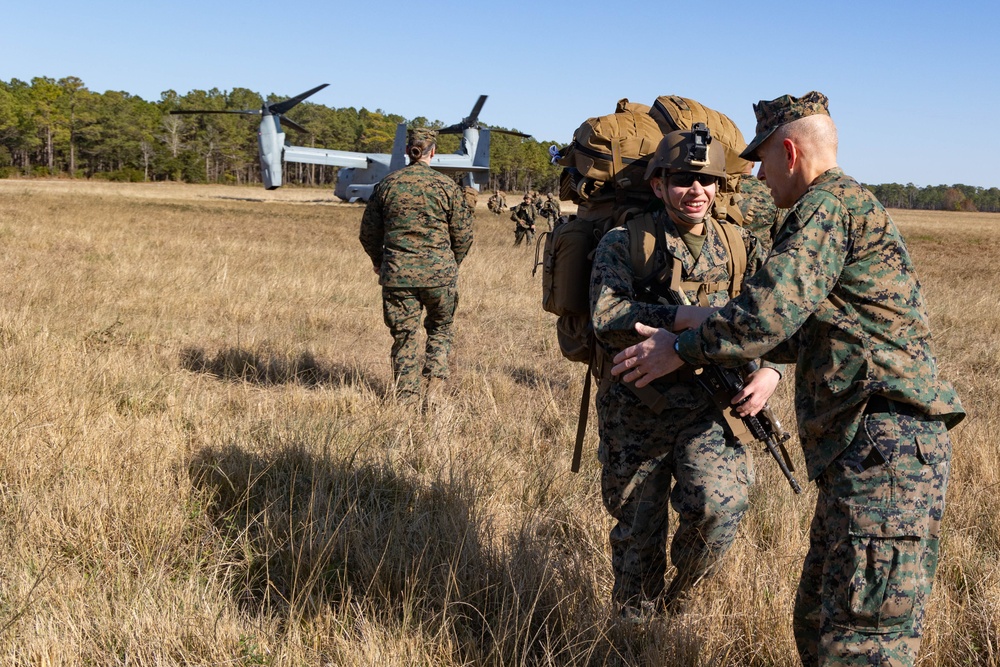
(689, 151)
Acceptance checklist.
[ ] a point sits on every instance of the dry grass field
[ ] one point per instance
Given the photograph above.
(202, 463)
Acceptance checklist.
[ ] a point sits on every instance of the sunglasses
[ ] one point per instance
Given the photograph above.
(687, 179)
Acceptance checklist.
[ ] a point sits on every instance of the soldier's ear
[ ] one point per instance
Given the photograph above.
(657, 184)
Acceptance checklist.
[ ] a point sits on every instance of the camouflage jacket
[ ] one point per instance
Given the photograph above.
(838, 296)
(523, 214)
(416, 228)
(760, 215)
(549, 209)
(616, 307)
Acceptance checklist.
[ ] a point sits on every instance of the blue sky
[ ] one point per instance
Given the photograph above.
(912, 86)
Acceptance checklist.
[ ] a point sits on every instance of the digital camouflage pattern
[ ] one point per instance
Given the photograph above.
(496, 203)
(420, 135)
(641, 451)
(417, 229)
(401, 311)
(760, 215)
(838, 296)
(471, 197)
(550, 210)
(523, 216)
(774, 113)
(873, 545)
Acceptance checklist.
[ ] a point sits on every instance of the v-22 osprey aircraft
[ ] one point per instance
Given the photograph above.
(360, 172)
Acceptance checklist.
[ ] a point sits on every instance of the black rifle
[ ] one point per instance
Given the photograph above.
(722, 384)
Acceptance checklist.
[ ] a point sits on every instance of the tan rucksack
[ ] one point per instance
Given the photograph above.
(566, 256)
(611, 150)
(603, 172)
(604, 169)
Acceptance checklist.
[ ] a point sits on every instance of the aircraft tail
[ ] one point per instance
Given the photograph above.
(398, 159)
(482, 159)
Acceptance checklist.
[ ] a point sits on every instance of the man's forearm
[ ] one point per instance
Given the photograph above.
(691, 317)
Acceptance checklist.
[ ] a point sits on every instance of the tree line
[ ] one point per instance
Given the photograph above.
(938, 197)
(51, 127)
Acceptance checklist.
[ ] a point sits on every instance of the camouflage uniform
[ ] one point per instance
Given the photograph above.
(417, 230)
(497, 203)
(523, 216)
(550, 211)
(641, 451)
(471, 196)
(760, 215)
(838, 297)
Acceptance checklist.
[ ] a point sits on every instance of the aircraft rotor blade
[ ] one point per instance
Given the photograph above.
(285, 105)
(288, 122)
(472, 120)
(245, 112)
(474, 116)
(512, 132)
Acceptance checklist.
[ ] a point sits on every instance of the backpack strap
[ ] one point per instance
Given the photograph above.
(642, 244)
(643, 237)
(736, 253)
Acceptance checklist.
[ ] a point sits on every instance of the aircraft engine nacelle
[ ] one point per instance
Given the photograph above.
(272, 143)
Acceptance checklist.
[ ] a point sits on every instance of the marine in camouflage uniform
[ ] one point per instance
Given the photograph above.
(838, 296)
(523, 216)
(760, 215)
(550, 210)
(682, 454)
(497, 202)
(417, 229)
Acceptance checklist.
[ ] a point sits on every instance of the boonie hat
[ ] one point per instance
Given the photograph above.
(772, 115)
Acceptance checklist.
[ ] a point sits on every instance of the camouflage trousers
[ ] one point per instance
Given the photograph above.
(682, 458)
(523, 235)
(873, 545)
(401, 311)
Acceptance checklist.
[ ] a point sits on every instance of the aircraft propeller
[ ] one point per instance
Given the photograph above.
(472, 120)
(274, 109)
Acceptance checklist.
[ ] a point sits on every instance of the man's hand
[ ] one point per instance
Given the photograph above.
(652, 358)
(755, 393)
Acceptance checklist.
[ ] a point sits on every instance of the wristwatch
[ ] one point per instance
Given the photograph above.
(677, 346)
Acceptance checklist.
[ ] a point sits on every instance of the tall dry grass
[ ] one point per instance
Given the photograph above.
(202, 464)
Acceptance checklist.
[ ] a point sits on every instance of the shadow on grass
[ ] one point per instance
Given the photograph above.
(240, 364)
(531, 378)
(303, 536)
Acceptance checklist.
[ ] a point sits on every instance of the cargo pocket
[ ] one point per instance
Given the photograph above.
(882, 573)
(933, 444)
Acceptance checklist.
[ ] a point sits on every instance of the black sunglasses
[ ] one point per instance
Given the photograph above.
(686, 179)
